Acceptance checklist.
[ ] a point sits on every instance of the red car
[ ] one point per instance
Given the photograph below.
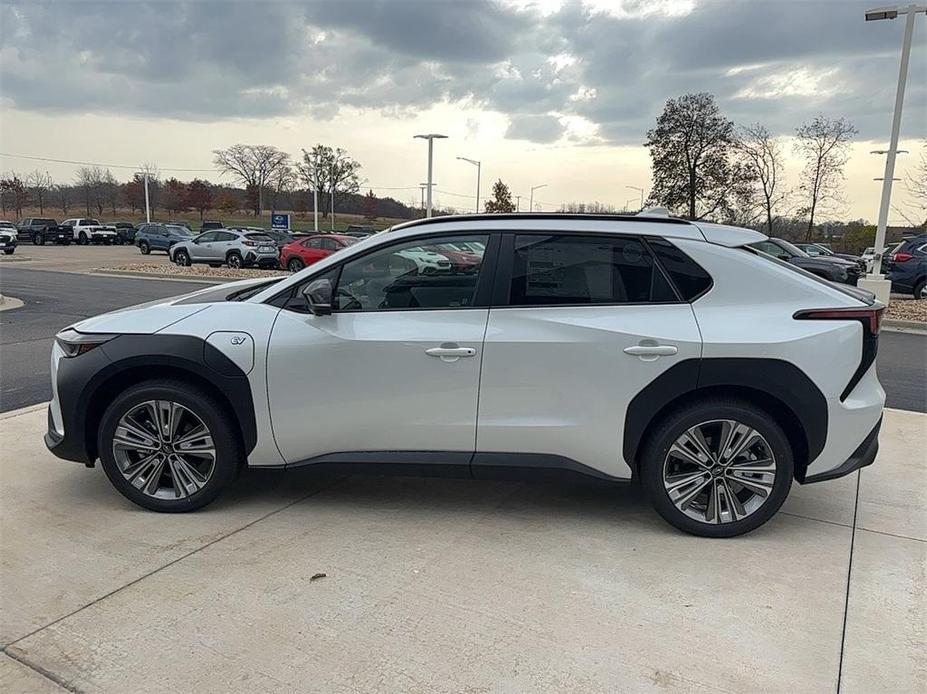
(462, 259)
(306, 251)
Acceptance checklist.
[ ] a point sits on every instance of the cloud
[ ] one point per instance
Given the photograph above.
(608, 65)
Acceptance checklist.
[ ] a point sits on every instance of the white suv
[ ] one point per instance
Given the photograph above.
(90, 231)
(623, 348)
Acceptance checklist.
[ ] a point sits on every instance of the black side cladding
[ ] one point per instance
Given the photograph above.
(778, 379)
(81, 378)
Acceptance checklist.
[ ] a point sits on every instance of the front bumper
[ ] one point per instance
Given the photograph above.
(864, 455)
(7, 242)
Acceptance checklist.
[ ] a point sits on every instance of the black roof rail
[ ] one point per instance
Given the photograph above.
(539, 215)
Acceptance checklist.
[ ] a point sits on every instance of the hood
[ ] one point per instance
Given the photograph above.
(150, 317)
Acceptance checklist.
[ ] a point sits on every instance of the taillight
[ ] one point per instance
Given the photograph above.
(871, 318)
(901, 257)
(250, 243)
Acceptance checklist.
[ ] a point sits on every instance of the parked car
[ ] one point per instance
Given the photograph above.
(620, 348)
(211, 224)
(908, 268)
(8, 237)
(868, 256)
(462, 259)
(888, 256)
(306, 251)
(827, 267)
(125, 233)
(226, 246)
(160, 237)
(181, 223)
(38, 230)
(359, 231)
(818, 250)
(85, 230)
(281, 238)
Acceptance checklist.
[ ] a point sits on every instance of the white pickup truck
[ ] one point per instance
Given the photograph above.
(90, 231)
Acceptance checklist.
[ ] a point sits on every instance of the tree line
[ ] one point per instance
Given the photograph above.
(269, 180)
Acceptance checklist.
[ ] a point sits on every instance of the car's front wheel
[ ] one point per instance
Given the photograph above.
(9, 251)
(83, 239)
(144, 247)
(38, 239)
(182, 258)
(168, 446)
(717, 468)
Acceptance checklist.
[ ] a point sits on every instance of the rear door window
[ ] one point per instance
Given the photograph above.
(569, 270)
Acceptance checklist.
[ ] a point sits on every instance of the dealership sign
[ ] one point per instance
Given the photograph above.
(280, 221)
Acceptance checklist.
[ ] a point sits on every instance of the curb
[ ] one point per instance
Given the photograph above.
(8, 303)
(23, 410)
(906, 326)
(162, 276)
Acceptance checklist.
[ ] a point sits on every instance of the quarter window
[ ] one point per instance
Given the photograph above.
(690, 278)
(410, 276)
(571, 270)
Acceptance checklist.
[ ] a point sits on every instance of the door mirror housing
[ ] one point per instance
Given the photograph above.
(318, 295)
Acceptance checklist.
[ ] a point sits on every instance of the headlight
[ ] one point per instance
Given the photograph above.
(74, 344)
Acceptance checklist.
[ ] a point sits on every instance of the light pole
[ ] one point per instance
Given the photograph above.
(331, 182)
(531, 197)
(147, 205)
(641, 192)
(431, 137)
(423, 186)
(477, 164)
(315, 196)
(518, 203)
(875, 281)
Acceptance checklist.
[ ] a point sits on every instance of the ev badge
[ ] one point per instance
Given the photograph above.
(238, 340)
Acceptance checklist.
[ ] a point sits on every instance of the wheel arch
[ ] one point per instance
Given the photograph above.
(140, 358)
(777, 387)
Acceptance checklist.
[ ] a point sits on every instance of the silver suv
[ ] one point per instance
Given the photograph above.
(227, 246)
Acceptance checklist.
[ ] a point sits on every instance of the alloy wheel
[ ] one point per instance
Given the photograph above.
(164, 449)
(720, 471)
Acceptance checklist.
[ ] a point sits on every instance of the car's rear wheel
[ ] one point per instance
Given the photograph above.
(39, 239)
(82, 239)
(9, 251)
(144, 247)
(234, 260)
(168, 446)
(717, 468)
(182, 258)
(920, 290)
(295, 265)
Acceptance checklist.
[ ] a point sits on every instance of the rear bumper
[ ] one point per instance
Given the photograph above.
(864, 455)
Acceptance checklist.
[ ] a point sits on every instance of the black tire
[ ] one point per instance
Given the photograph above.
(182, 258)
(229, 456)
(234, 260)
(295, 265)
(8, 251)
(144, 247)
(920, 290)
(66, 242)
(215, 265)
(38, 239)
(118, 241)
(82, 239)
(659, 442)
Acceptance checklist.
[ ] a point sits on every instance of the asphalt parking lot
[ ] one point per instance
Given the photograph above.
(456, 585)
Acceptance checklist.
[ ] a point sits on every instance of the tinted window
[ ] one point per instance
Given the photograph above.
(259, 237)
(558, 270)
(407, 277)
(208, 237)
(179, 230)
(44, 222)
(225, 236)
(690, 278)
(330, 245)
(770, 248)
(313, 243)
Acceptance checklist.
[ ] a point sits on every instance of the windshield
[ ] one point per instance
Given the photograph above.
(43, 221)
(179, 230)
(791, 248)
(7, 225)
(91, 222)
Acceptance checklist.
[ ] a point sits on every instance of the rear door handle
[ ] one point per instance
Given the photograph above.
(651, 350)
(450, 352)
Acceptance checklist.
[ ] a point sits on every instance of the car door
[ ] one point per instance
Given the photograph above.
(225, 242)
(393, 371)
(201, 249)
(580, 324)
(311, 250)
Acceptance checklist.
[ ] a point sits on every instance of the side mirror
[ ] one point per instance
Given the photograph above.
(783, 256)
(318, 295)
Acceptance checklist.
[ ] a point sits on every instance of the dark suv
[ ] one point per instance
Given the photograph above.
(907, 268)
(38, 230)
(160, 237)
(829, 267)
(211, 224)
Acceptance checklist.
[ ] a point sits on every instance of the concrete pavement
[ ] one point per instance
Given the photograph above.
(456, 585)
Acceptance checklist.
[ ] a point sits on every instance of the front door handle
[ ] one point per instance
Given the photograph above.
(653, 350)
(450, 353)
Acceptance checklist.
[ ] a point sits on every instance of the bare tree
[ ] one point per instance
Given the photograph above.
(40, 184)
(252, 165)
(331, 171)
(64, 198)
(915, 182)
(762, 155)
(822, 143)
(110, 190)
(281, 181)
(90, 180)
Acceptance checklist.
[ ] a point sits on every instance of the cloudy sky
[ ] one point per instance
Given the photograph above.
(555, 92)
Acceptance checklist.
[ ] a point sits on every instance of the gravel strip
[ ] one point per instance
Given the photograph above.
(907, 309)
(194, 271)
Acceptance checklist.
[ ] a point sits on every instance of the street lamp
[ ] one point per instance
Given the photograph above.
(144, 173)
(641, 192)
(875, 281)
(477, 165)
(431, 137)
(531, 197)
